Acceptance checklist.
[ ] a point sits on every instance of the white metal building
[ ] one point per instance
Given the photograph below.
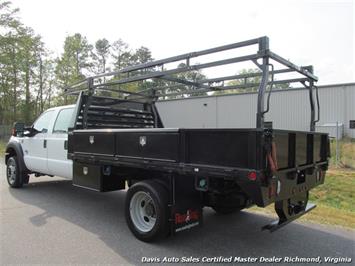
(289, 109)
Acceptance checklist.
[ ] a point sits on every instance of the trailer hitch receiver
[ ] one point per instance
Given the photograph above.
(290, 209)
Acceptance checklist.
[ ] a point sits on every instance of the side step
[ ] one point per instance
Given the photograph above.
(275, 225)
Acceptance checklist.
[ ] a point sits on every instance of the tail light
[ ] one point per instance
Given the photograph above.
(252, 176)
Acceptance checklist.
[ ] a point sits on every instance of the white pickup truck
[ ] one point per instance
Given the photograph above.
(41, 149)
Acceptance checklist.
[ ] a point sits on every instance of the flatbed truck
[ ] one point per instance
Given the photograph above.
(114, 138)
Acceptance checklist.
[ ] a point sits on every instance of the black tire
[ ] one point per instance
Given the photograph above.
(160, 199)
(15, 178)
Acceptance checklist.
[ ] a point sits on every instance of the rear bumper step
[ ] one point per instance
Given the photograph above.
(275, 225)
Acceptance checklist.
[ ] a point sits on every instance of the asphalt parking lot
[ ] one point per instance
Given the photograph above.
(51, 222)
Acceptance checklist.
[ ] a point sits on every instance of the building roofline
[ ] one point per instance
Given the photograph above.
(274, 91)
(337, 85)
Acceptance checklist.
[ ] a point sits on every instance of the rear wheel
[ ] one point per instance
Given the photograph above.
(146, 210)
(15, 178)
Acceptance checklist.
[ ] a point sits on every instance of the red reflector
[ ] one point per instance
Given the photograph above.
(252, 176)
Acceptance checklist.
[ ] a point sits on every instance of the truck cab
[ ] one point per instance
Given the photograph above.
(42, 148)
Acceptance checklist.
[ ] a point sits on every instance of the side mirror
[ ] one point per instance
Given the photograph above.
(31, 131)
(18, 129)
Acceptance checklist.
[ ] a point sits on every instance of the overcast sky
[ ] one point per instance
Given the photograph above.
(319, 32)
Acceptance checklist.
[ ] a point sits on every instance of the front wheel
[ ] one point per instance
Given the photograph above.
(146, 210)
(13, 173)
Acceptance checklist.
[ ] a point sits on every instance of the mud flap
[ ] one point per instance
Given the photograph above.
(185, 215)
(187, 219)
(290, 209)
(186, 207)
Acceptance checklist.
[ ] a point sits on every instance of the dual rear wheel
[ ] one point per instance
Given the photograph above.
(146, 210)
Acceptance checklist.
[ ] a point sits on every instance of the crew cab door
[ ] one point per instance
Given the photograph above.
(35, 147)
(57, 145)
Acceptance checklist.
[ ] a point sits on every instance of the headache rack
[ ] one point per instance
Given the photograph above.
(94, 112)
(128, 107)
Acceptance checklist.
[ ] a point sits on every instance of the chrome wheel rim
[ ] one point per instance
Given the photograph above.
(11, 172)
(142, 211)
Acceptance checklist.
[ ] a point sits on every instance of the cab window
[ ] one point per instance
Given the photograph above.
(42, 123)
(63, 121)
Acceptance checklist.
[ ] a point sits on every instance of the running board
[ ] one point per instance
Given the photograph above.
(275, 225)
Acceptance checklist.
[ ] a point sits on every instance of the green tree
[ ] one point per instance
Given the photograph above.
(141, 55)
(102, 52)
(9, 61)
(74, 62)
(194, 77)
(123, 58)
(19, 46)
(8, 15)
(31, 48)
(121, 54)
(45, 80)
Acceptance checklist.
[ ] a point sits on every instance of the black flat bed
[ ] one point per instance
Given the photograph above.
(230, 154)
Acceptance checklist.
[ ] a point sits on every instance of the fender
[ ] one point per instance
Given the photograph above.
(16, 146)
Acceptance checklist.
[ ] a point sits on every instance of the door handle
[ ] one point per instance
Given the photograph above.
(65, 144)
(45, 143)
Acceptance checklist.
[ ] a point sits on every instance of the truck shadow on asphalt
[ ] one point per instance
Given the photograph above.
(238, 234)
